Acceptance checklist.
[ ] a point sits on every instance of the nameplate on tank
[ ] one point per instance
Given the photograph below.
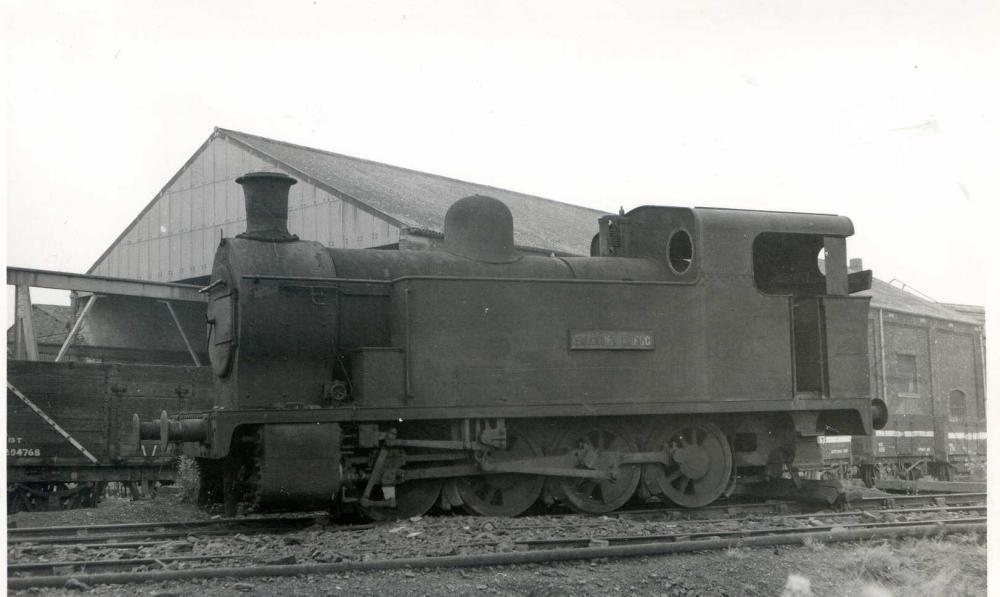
(610, 340)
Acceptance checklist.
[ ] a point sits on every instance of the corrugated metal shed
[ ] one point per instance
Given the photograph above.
(340, 201)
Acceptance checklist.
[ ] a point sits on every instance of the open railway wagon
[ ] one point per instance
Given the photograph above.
(910, 447)
(693, 347)
(69, 428)
(69, 423)
(916, 446)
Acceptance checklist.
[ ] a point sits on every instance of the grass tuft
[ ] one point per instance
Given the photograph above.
(737, 553)
(813, 544)
(187, 477)
(878, 563)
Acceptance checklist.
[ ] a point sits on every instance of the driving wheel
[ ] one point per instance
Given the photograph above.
(701, 462)
(506, 494)
(599, 448)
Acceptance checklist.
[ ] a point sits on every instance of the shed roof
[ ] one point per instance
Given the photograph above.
(52, 324)
(887, 296)
(419, 200)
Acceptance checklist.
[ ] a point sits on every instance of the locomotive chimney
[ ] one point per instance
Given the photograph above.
(266, 195)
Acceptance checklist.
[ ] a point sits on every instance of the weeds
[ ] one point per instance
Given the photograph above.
(876, 563)
(737, 553)
(918, 568)
(188, 478)
(812, 543)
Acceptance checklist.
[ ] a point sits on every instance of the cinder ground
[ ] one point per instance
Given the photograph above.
(951, 566)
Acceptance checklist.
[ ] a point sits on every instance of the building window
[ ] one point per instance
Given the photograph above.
(906, 373)
(956, 404)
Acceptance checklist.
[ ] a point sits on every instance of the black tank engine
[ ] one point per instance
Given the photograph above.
(694, 346)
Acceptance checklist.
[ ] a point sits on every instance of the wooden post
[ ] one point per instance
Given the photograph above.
(25, 346)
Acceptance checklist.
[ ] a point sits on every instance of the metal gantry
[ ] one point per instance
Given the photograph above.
(25, 343)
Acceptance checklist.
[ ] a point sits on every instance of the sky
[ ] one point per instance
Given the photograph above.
(881, 111)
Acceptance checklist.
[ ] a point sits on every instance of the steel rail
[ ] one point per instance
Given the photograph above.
(97, 529)
(84, 529)
(735, 508)
(940, 498)
(674, 537)
(80, 565)
(119, 545)
(866, 503)
(92, 540)
(499, 559)
(116, 538)
(810, 514)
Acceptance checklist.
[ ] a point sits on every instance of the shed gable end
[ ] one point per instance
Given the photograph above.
(175, 237)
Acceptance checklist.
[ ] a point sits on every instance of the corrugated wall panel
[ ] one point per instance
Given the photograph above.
(185, 207)
(295, 222)
(322, 221)
(164, 265)
(197, 171)
(154, 259)
(211, 242)
(196, 211)
(197, 252)
(186, 265)
(163, 210)
(121, 261)
(142, 266)
(221, 203)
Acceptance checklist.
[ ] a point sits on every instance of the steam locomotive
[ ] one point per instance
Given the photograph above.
(693, 347)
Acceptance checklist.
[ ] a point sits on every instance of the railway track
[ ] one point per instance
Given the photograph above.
(130, 535)
(138, 534)
(521, 543)
(551, 551)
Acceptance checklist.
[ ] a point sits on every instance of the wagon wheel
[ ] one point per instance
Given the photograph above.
(599, 448)
(942, 471)
(413, 498)
(16, 501)
(33, 497)
(503, 494)
(209, 481)
(86, 495)
(868, 475)
(70, 498)
(701, 462)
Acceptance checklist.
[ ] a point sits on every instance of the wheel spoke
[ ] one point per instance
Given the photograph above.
(507, 494)
(701, 473)
(685, 485)
(598, 496)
